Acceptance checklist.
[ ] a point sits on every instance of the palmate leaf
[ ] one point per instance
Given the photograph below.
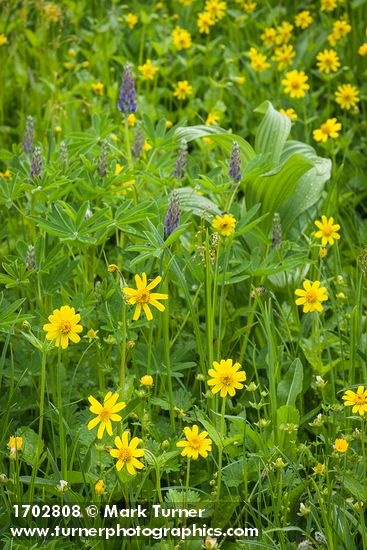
(8, 315)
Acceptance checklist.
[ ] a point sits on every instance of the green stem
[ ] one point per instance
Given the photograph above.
(220, 456)
(187, 482)
(61, 420)
(123, 349)
(167, 355)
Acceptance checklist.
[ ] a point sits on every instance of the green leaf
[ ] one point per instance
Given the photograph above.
(291, 384)
(272, 133)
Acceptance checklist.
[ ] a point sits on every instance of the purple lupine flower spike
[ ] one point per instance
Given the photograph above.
(235, 163)
(36, 164)
(172, 220)
(102, 166)
(28, 136)
(127, 103)
(138, 144)
(181, 161)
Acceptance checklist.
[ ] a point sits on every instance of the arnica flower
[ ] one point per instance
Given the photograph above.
(148, 71)
(15, 444)
(249, 7)
(328, 5)
(196, 443)
(216, 8)
(105, 413)
(205, 21)
(311, 297)
(142, 296)
(99, 487)
(303, 19)
(182, 90)
(235, 163)
(347, 96)
(127, 453)
(63, 326)
(327, 230)
(212, 118)
(181, 160)
(226, 377)
(3, 39)
(329, 129)
(98, 88)
(172, 220)
(328, 61)
(290, 113)
(341, 445)
(127, 103)
(319, 468)
(181, 38)
(146, 380)
(284, 33)
(225, 225)
(356, 400)
(28, 136)
(362, 50)
(284, 55)
(258, 60)
(131, 20)
(295, 84)
(268, 36)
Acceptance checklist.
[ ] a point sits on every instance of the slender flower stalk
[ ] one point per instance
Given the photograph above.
(28, 136)
(102, 166)
(36, 164)
(172, 220)
(127, 98)
(181, 161)
(235, 163)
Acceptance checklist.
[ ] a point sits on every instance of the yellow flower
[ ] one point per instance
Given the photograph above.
(127, 453)
(181, 38)
(284, 56)
(216, 8)
(147, 70)
(52, 12)
(240, 79)
(131, 20)
(113, 267)
(269, 36)
(131, 119)
(250, 7)
(226, 377)
(328, 60)
(69, 65)
(98, 88)
(196, 443)
(329, 129)
(99, 487)
(169, 124)
(319, 468)
(258, 60)
(71, 52)
(205, 21)
(295, 83)
(105, 413)
(327, 230)
(3, 39)
(147, 147)
(63, 326)
(290, 113)
(212, 118)
(15, 444)
(6, 175)
(143, 297)
(146, 380)
(356, 400)
(341, 445)
(92, 334)
(322, 252)
(225, 225)
(362, 50)
(186, 2)
(182, 90)
(284, 33)
(311, 297)
(303, 19)
(57, 129)
(340, 29)
(347, 96)
(328, 5)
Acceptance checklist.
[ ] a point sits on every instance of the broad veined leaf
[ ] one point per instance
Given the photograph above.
(272, 133)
